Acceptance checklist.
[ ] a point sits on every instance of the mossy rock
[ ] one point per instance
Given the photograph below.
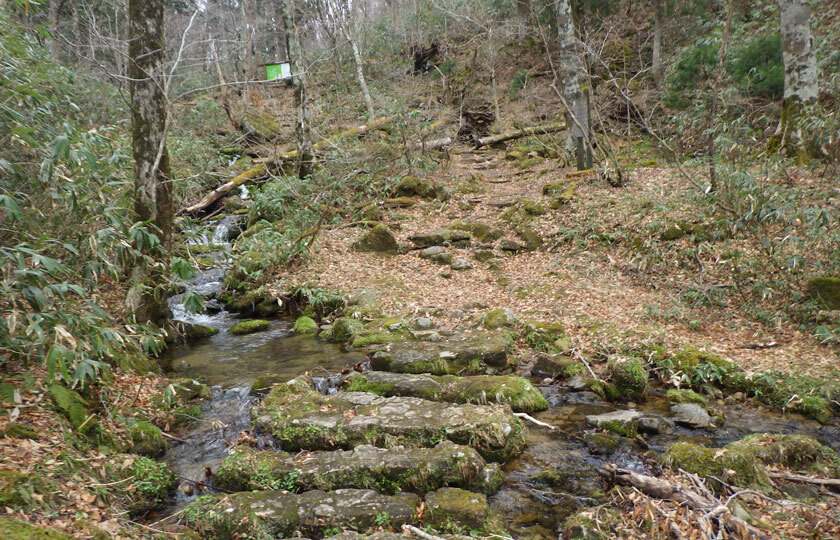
(554, 188)
(826, 289)
(515, 155)
(629, 376)
(528, 162)
(367, 338)
(249, 327)
(689, 358)
(198, 331)
(513, 215)
(529, 235)
(147, 439)
(797, 452)
(499, 318)
(675, 231)
(16, 529)
(442, 237)
(480, 231)
(137, 362)
(463, 355)
(263, 383)
(457, 510)
(484, 255)
(371, 212)
(604, 389)
(733, 465)
(15, 430)
(516, 392)
(601, 443)
(683, 395)
(379, 239)
(392, 470)
(531, 208)
(305, 325)
(148, 485)
(564, 197)
(190, 389)
(398, 202)
(542, 336)
(412, 186)
(342, 330)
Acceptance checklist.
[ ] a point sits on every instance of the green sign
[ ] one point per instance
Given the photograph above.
(278, 71)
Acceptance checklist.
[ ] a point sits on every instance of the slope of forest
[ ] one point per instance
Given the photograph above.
(339, 306)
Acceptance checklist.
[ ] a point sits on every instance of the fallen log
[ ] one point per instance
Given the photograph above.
(519, 133)
(662, 489)
(434, 144)
(261, 169)
(833, 482)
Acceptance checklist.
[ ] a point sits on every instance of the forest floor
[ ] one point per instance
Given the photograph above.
(581, 276)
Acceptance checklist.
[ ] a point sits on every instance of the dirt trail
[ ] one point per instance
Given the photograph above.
(596, 292)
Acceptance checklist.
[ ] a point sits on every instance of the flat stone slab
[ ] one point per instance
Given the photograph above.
(418, 470)
(621, 422)
(303, 419)
(277, 514)
(459, 355)
(516, 392)
(691, 415)
(442, 237)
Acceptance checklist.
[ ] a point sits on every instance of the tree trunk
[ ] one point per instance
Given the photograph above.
(250, 50)
(800, 66)
(571, 69)
(303, 133)
(152, 186)
(724, 48)
(77, 35)
(658, 72)
(55, 7)
(360, 73)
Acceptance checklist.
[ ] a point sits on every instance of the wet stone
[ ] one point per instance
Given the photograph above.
(653, 425)
(691, 415)
(464, 355)
(511, 390)
(277, 514)
(624, 423)
(391, 470)
(552, 365)
(301, 418)
(452, 505)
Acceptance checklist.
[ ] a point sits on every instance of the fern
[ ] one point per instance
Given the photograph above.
(70, 403)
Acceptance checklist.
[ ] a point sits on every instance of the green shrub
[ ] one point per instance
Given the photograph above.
(757, 67)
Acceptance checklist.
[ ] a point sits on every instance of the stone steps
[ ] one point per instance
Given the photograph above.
(392, 470)
(303, 419)
(319, 514)
(516, 392)
(462, 355)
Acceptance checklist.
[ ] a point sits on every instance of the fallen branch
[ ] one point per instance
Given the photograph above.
(805, 479)
(519, 133)
(261, 169)
(662, 489)
(530, 418)
(411, 529)
(434, 144)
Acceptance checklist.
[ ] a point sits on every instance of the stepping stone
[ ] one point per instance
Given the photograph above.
(553, 365)
(436, 254)
(452, 505)
(464, 355)
(303, 419)
(517, 392)
(624, 423)
(278, 514)
(391, 470)
(440, 238)
(691, 415)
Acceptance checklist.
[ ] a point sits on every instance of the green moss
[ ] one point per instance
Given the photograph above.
(342, 330)
(357, 383)
(629, 376)
(12, 493)
(198, 331)
(366, 338)
(448, 508)
(412, 186)
(605, 390)
(798, 452)
(263, 383)
(602, 443)
(533, 240)
(733, 465)
(147, 439)
(249, 327)
(305, 325)
(480, 231)
(499, 318)
(20, 431)
(826, 289)
(675, 231)
(686, 396)
(152, 483)
(621, 428)
(542, 336)
(15, 529)
(531, 208)
(554, 478)
(379, 239)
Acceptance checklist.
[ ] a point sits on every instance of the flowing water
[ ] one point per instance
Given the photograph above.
(530, 507)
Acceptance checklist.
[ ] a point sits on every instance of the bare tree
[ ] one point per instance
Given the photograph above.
(800, 73)
(302, 125)
(152, 187)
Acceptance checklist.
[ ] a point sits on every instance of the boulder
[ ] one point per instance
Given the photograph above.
(625, 423)
(461, 265)
(436, 254)
(277, 514)
(499, 318)
(443, 237)
(379, 239)
(553, 365)
(249, 327)
(826, 289)
(301, 418)
(412, 186)
(691, 415)
(392, 470)
(511, 390)
(464, 355)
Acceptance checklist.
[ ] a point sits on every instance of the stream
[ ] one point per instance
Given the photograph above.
(529, 507)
